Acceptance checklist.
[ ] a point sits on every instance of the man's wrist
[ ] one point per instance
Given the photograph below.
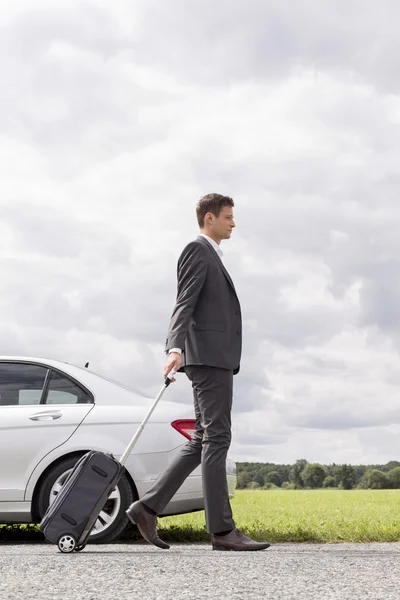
(177, 350)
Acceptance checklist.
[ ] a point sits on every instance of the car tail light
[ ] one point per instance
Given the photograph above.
(185, 426)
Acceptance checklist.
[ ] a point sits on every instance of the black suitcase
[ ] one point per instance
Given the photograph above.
(69, 520)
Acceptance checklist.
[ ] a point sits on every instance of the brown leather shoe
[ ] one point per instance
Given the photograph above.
(235, 540)
(146, 524)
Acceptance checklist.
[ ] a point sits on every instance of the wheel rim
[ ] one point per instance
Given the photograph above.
(67, 543)
(108, 514)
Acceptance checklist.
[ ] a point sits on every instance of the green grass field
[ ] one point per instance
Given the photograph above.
(284, 516)
(302, 516)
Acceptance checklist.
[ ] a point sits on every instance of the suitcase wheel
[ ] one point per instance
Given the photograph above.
(80, 548)
(67, 544)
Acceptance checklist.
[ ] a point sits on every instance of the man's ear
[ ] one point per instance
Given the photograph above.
(208, 218)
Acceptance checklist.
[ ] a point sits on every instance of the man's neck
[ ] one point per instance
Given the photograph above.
(210, 236)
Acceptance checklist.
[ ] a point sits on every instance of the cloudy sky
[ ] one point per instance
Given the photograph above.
(116, 117)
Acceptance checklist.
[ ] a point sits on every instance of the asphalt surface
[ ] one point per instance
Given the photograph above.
(119, 572)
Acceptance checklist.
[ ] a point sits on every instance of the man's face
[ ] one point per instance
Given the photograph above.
(223, 224)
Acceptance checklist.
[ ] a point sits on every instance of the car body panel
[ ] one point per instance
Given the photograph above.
(25, 442)
(15, 512)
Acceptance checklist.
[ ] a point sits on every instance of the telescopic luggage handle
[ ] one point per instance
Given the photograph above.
(147, 417)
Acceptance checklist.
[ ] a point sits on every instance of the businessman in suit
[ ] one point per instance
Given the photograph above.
(204, 341)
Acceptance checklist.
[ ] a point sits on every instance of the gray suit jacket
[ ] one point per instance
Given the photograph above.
(206, 322)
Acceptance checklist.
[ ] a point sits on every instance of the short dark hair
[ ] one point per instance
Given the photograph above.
(212, 203)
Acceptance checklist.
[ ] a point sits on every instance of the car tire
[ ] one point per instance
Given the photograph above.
(119, 523)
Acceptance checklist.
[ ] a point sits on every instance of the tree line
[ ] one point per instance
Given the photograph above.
(305, 475)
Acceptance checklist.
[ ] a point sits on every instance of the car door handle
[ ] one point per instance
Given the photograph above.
(46, 416)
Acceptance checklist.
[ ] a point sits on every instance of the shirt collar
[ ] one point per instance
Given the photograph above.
(213, 244)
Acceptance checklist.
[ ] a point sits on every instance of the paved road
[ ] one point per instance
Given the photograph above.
(130, 571)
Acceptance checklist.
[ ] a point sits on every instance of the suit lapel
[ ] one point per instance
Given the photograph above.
(218, 259)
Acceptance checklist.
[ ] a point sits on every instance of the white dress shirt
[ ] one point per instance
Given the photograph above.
(218, 250)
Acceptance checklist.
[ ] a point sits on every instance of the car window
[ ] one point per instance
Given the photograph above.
(21, 384)
(62, 390)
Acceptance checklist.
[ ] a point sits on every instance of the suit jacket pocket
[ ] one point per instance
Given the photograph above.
(203, 326)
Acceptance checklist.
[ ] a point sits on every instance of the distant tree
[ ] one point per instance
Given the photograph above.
(329, 482)
(345, 476)
(393, 464)
(242, 480)
(376, 480)
(394, 478)
(296, 471)
(273, 477)
(286, 485)
(313, 475)
(253, 485)
(265, 473)
(330, 470)
(362, 484)
(360, 472)
(259, 478)
(270, 486)
(283, 471)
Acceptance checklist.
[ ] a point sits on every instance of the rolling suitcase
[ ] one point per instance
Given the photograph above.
(69, 520)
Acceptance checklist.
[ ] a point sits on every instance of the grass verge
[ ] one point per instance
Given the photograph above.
(324, 516)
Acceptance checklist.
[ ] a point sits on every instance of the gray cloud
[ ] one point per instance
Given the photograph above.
(66, 91)
(231, 42)
(340, 420)
(45, 230)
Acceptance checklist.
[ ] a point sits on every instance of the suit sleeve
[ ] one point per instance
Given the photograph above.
(192, 271)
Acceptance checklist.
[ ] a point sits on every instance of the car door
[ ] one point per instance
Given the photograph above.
(40, 408)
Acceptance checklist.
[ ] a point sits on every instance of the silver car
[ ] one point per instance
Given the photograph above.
(52, 412)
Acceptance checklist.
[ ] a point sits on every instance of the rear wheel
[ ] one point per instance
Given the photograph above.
(112, 519)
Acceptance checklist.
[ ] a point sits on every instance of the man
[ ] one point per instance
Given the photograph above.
(205, 341)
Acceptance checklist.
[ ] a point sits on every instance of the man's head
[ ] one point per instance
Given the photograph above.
(215, 216)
